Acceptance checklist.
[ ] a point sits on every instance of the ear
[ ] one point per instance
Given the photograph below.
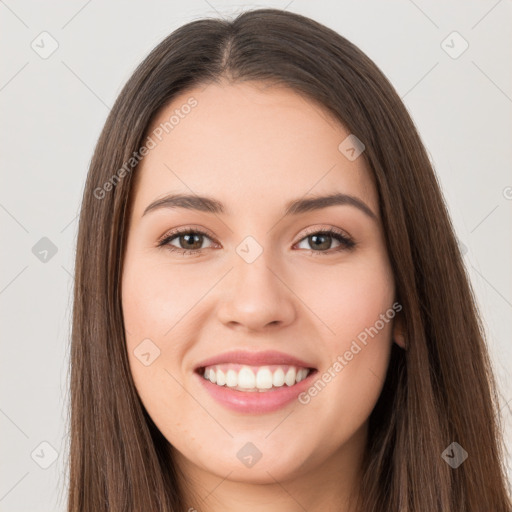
(398, 331)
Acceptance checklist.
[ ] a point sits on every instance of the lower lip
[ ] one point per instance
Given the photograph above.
(255, 401)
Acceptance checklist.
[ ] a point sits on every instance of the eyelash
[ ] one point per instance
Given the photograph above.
(347, 244)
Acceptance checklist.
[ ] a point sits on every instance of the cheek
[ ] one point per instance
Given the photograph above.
(356, 389)
(155, 298)
(159, 304)
(356, 305)
(346, 392)
(154, 307)
(351, 297)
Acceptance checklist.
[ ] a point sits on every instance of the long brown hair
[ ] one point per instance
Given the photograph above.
(439, 390)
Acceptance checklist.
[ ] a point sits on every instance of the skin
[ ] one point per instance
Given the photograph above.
(254, 148)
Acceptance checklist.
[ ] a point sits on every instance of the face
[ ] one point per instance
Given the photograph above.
(255, 290)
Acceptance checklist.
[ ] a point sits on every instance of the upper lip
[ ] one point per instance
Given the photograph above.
(267, 357)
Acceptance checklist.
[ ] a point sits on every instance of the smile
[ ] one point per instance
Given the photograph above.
(254, 378)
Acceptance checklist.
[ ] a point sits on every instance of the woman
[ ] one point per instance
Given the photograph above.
(271, 310)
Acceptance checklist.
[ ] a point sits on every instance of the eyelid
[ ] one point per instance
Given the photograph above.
(324, 227)
(347, 243)
(308, 231)
(185, 229)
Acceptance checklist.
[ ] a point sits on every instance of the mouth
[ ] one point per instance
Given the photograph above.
(254, 379)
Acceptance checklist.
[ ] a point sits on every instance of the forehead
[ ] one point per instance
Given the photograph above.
(249, 145)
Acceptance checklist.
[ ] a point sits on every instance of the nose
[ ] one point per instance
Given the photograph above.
(256, 298)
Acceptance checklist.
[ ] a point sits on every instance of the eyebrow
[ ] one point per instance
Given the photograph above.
(294, 207)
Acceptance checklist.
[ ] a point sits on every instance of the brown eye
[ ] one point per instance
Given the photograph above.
(185, 241)
(191, 241)
(321, 241)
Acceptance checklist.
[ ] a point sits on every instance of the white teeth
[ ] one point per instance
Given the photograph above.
(246, 378)
(301, 374)
(221, 378)
(290, 377)
(231, 379)
(266, 377)
(278, 378)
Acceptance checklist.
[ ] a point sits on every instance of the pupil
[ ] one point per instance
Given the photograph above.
(190, 240)
(325, 245)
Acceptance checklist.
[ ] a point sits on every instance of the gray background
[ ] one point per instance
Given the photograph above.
(53, 110)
